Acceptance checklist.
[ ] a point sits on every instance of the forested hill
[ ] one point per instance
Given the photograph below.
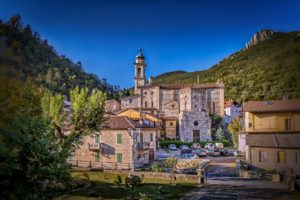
(269, 69)
(25, 55)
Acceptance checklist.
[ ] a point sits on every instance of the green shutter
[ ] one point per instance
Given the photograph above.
(97, 139)
(119, 157)
(97, 157)
(119, 138)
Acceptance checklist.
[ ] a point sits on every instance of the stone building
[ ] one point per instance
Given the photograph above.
(112, 105)
(189, 104)
(272, 130)
(122, 143)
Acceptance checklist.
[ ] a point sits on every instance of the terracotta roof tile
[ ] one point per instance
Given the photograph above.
(123, 122)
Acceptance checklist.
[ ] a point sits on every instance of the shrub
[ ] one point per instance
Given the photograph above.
(178, 143)
(133, 180)
(156, 167)
(170, 162)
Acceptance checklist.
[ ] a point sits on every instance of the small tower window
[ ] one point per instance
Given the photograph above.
(146, 104)
(139, 72)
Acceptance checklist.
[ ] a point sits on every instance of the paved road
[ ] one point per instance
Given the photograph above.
(223, 183)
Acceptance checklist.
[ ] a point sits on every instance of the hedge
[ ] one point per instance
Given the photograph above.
(178, 143)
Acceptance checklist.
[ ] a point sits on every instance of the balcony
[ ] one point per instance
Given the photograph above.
(143, 146)
(94, 147)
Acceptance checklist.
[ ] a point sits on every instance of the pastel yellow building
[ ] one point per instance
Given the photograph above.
(273, 134)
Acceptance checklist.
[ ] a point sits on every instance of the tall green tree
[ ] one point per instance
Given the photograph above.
(33, 147)
(234, 128)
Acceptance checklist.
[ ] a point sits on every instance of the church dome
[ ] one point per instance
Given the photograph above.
(140, 55)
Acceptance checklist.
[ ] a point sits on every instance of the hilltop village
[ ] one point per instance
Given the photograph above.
(159, 122)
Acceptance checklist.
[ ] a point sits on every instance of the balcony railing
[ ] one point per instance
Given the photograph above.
(95, 147)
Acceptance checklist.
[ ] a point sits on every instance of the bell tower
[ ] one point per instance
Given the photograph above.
(139, 75)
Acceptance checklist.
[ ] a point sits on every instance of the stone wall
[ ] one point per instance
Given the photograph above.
(194, 121)
(131, 102)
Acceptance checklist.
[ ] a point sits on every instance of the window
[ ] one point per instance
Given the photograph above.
(145, 93)
(119, 157)
(250, 124)
(298, 158)
(119, 138)
(146, 104)
(130, 100)
(263, 156)
(214, 107)
(288, 124)
(173, 106)
(281, 157)
(97, 157)
(97, 139)
(171, 123)
(141, 138)
(139, 72)
(151, 137)
(196, 123)
(152, 104)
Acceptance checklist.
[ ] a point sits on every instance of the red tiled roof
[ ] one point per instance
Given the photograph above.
(272, 106)
(123, 122)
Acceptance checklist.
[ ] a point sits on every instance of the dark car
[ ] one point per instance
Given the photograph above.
(216, 153)
(186, 151)
(224, 152)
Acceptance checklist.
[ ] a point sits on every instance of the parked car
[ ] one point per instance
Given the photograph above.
(209, 146)
(224, 152)
(188, 156)
(238, 153)
(216, 153)
(219, 145)
(185, 151)
(201, 153)
(230, 152)
(184, 146)
(209, 152)
(196, 146)
(172, 147)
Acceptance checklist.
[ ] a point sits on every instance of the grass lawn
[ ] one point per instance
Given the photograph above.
(103, 187)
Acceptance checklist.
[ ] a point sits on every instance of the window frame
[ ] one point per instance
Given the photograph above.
(119, 138)
(119, 157)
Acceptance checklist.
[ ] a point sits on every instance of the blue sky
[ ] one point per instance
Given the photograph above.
(185, 35)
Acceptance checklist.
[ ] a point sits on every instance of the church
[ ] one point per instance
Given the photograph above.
(183, 109)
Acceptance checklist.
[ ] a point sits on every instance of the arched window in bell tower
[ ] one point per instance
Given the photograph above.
(139, 72)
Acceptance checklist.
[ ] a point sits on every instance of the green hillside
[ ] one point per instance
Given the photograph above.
(268, 70)
(25, 55)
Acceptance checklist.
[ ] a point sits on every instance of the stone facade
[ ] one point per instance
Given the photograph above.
(194, 126)
(184, 102)
(112, 106)
(118, 147)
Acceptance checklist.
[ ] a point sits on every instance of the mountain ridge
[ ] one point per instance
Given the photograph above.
(274, 63)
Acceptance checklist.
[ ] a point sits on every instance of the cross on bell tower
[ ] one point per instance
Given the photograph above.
(139, 75)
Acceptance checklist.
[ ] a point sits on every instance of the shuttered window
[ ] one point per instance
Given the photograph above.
(97, 139)
(281, 157)
(263, 156)
(119, 157)
(97, 157)
(119, 138)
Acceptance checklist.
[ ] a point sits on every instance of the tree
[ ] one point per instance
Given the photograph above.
(234, 128)
(33, 147)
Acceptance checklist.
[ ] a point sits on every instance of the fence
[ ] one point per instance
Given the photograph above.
(100, 165)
